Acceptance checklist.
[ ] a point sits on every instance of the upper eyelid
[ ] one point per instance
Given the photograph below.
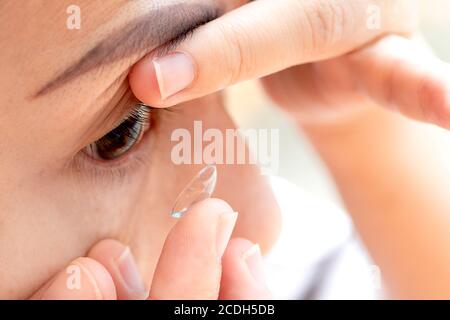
(101, 118)
(113, 109)
(98, 127)
(140, 113)
(121, 115)
(166, 47)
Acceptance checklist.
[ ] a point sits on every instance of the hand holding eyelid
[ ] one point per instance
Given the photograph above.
(264, 37)
(258, 39)
(255, 40)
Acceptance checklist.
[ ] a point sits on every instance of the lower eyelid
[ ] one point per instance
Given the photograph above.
(114, 171)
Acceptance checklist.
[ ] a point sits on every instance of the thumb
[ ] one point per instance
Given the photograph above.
(83, 279)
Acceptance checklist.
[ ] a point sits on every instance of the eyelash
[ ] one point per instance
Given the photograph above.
(132, 128)
(107, 172)
(141, 114)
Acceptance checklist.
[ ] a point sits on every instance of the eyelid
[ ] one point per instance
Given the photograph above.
(161, 50)
(108, 113)
(134, 126)
(126, 165)
(115, 104)
(122, 111)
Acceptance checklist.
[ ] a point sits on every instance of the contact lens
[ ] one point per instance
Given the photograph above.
(201, 187)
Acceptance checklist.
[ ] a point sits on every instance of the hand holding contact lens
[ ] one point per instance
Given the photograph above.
(201, 187)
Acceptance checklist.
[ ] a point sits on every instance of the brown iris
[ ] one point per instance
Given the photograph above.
(121, 139)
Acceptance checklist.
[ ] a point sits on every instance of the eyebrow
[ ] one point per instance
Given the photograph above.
(165, 26)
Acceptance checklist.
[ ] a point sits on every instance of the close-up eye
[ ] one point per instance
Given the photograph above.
(124, 137)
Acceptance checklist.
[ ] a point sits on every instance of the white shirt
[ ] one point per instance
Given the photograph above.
(318, 254)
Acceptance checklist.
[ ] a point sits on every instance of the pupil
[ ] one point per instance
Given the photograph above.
(118, 141)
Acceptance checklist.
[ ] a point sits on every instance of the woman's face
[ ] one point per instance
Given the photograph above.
(69, 175)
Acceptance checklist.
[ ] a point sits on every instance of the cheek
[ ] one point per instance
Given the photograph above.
(47, 223)
(50, 219)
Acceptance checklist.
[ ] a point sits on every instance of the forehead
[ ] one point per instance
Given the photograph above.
(37, 42)
(39, 20)
(58, 33)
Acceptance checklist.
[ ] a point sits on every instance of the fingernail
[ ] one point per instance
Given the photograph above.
(225, 228)
(174, 73)
(130, 275)
(254, 262)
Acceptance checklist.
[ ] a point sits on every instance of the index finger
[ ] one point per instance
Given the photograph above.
(190, 263)
(404, 75)
(261, 38)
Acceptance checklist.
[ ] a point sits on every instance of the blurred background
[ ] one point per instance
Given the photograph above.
(303, 169)
(298, 162)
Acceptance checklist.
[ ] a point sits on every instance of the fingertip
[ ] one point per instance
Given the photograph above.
(190, 263)
(83, 279)
(434, 97)
(143, 82)
(106, 247)
(212, 205)
(203, 216)
(121, 265)
(99, 277)
(209, 224)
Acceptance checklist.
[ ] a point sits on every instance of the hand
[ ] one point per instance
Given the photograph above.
(397, 73)
(264, 37)
(198, 261)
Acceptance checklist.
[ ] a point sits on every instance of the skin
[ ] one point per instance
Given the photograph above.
(392, 172)
(198, 260)
(134, 209)
(55, 203)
